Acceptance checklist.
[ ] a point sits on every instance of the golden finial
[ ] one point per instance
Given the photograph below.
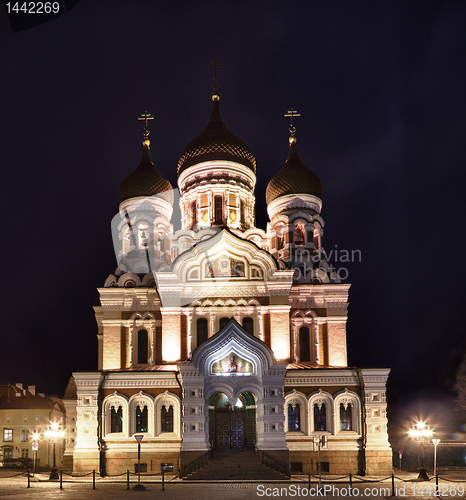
(146, 116)
(215, 64)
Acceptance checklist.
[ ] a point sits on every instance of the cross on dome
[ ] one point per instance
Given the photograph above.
(292, 112)
(146, 116)
(215, 64)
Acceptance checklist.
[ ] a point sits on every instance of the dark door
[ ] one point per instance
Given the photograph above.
(230, 430)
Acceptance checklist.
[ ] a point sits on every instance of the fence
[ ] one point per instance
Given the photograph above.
(351, 480)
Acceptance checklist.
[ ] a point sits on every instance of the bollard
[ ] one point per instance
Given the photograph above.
(163, 479)
(393, 485)
(29, 480)
(93, 479)
(350, 484)
(61, 479)
(308, 481)
(127, 479)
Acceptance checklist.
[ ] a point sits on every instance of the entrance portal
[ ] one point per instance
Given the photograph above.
(232, 428)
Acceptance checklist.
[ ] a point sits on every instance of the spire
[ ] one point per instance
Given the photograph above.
(215, 64)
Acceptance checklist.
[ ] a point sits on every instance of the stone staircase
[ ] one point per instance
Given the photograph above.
(235, 465)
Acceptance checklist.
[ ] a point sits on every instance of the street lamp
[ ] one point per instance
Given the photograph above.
(54, 434)
(35, 447)
(421, 433)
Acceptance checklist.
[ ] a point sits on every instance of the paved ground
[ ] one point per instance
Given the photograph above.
(15, 488)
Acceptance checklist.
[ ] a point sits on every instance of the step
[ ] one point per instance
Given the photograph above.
(235, 465)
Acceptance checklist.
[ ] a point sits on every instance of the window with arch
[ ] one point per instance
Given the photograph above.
(320, 417)
(143, 235)
(141, 418)
(201, 325)
(218, 206)
(143, 347)
(167, 419)
(193, 213)
(304, 344)
(294, 420)
(299, 235)
(346, 417)
(248, 325)
(116, 419)
(280, 237)
(242, 205)
(223, 322)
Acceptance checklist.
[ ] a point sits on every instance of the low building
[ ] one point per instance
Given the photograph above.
(23, 413)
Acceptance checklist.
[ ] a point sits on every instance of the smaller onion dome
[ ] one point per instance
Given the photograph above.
(145, 180)
(293, 178)
(216, 142)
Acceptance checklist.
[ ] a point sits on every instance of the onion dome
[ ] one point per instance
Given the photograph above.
(216, 142)
(294, 178)
(145, 180)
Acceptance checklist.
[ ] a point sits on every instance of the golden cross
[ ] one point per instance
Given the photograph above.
(292, 112)
(146, 116)
(215, 64)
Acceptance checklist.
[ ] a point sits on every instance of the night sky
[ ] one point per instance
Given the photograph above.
(381, 87)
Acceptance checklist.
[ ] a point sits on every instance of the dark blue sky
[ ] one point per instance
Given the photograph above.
(381, 89)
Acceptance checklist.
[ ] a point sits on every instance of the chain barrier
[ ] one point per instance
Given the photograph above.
(15, 475)
(77, 475)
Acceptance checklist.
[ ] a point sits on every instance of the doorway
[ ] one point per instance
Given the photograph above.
(232, 428)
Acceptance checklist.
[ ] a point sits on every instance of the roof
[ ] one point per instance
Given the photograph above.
(146, 181)
(26, 400)
(150, 368)
(216, 142)
(293, 178)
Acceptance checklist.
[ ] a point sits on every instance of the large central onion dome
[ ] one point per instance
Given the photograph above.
(294, 178)
(145, 180)
(216, 142)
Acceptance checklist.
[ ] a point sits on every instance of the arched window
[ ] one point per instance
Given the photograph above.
(218, 209)
(223, 322)
(299, 234)
(242, 208)
(294, 418)
(201, 330)
(143, 347)
(304, 344)
(346, 417)
(320, 417)
(193, 213)
(248, 325)
(167, 419)
(116, 419)
(141, 419)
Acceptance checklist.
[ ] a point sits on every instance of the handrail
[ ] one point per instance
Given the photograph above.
(267, 459)
(195, 464)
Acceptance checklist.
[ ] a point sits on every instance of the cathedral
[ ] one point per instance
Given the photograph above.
(222, 335)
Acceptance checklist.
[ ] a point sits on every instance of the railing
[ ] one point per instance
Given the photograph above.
(270, 461)
(195, 464)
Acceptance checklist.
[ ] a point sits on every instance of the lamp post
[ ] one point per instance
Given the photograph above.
(421, 433)
(139, 486)
(53, 434)
(436, 442)
(35, 447)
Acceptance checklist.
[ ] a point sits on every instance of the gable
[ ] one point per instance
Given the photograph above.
(223, 265)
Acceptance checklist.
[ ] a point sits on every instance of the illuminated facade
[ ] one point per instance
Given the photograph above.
(25, 417)
(224, 335)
